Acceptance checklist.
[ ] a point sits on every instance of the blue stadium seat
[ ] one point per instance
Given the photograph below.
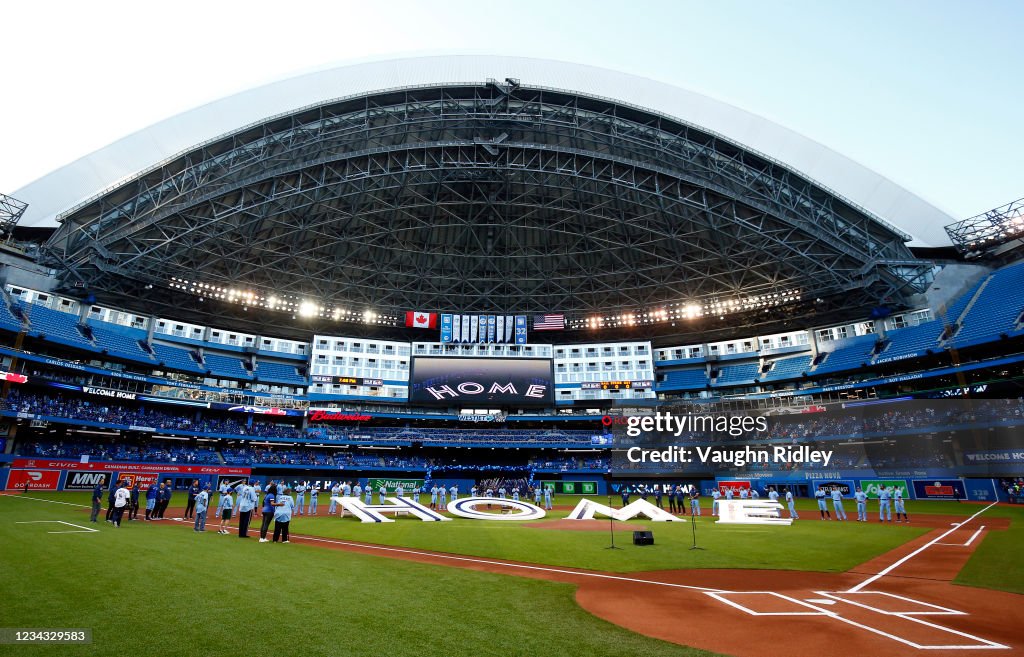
(7, 318)
(120, 341)
(271, 372)
(226, 367)
(847, 354)
(57, 326)
(692, 379)
(996, 310)
(788, 368)
(912, 341)
(175, 358)
(741, 373)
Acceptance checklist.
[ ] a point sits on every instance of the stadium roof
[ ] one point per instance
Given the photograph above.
(481, 185)
(55, 193)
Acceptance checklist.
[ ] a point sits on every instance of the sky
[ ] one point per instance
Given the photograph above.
(927, 93)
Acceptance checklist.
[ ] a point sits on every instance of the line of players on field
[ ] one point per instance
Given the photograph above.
(678, 495)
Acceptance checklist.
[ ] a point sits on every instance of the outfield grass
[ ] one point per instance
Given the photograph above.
(147, 590)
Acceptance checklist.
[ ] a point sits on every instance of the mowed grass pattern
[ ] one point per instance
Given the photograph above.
(159, 590)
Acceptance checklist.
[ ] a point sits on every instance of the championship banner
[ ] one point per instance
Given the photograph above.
(446, 327)
(939, 489)
(36, 479)
(500, 330)
(465, 329)
(85, 480)
(474, 328)
(392, 484)
(490, 328)
(456, 328)
(520, 329)
(872, 486)
(110, 466)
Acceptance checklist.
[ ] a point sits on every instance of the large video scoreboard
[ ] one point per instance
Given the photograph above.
(484, 382)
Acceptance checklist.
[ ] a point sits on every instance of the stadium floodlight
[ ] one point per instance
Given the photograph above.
(307, 309)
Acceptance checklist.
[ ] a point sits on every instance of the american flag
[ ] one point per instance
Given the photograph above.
(548, 322)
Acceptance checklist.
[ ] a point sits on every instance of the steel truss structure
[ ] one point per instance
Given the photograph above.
(986, 232)
(491, 197)
(11, 210)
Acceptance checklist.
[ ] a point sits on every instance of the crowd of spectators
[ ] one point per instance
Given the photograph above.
(119, 416)
(144, 450)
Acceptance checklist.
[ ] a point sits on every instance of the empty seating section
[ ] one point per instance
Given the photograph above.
(912, 341)
(226, 366)
(995, 311)
(278, 372)
(694, 379)
(734, 374)
(7, 318)
(788, 368)
(57, 326)
(175, 358)
(122, 342)
(848, 354)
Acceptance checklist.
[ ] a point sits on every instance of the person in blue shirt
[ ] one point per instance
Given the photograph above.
(97, 501)
(548, 504)
(247, 501)
(300, 494)
(224, 509)
(165, 500)
(657, 496)
(151, 495)
(442, 497)
(202, 504)
(284, 507)
(269, 502)
(625, 495)
(190, 505)
(368, 492)
(314, 503)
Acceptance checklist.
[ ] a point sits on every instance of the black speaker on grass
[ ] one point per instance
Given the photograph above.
(643, 538)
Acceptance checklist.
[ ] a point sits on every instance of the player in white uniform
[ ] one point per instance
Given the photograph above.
(515, 493)
(754, 495)
(399, 490)
(300, 496)
(821, 496)
(381, 494)
(743, 493)
(837, 503)
(728, 493)
(357, 491)
(884, 512)
(901, 509)
(791, 502)
(501, 492)
(548, 503)
(862, 505)
(442, 497)
(773, 495)
(454, 490)
(368, 492)
(715, 496)
(333, 507)
(433, 496)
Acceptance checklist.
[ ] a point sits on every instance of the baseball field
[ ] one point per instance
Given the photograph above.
(948, 581)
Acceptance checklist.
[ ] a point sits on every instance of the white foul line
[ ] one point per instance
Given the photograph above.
(974, 536)
(918, 551)
(80, 530)
(39, 499)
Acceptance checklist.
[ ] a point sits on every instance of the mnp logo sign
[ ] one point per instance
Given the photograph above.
(85, 480)
(750, 512)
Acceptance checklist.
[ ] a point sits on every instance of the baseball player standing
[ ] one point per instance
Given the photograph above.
(897, 495)
(715, 496)
(837, 503)
(791, 502)
(821, 495)
(884, 512)
(862, 505)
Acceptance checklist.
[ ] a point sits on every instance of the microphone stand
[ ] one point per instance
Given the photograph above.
(611, 524)
(693, 529)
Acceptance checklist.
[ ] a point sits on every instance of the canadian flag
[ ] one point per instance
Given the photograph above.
(419, 319)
